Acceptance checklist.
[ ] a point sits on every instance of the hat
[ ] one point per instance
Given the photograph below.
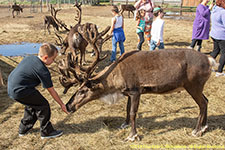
(156, 9)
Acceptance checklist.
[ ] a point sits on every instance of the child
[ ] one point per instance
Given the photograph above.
(140, 17)
(201, 24)
(148, 6)
(118, 33)
(22, 81)
(157, 29)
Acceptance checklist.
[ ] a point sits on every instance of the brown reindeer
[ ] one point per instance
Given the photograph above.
(127, 7)
(50, 21)
(136, 73)
(16, 8)
(75, 41)
(53, 21)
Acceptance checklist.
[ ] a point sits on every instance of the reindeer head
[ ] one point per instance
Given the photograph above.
(83, 95)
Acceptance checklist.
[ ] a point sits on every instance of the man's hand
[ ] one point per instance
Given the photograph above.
(64, 109)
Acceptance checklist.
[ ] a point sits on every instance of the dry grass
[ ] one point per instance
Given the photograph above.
(163, 120)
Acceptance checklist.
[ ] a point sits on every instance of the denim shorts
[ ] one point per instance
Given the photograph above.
(153, 45)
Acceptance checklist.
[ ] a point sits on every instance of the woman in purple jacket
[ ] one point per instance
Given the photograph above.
(218, 34)
(201, 24)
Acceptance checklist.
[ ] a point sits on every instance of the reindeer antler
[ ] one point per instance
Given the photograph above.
(65, 67)
(54, 13)
(90, 34)
(79, 12)
(69, 65)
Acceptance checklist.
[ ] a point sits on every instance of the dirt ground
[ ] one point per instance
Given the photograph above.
(163, 121)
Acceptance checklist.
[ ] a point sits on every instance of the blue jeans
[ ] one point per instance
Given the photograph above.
(153, 45)
(114, 46)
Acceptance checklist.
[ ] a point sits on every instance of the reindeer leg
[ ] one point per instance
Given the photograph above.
(48, 28)
(132, 13)
(82, 55)
(128, 14)
(135, 98)
(202, 102)
(13, 14)
(127, 121)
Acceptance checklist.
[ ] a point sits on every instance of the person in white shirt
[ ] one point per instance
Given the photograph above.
(157, 29)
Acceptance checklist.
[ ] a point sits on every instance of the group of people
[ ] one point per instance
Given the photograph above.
(32, 70)
(153, 30)
(214, 14)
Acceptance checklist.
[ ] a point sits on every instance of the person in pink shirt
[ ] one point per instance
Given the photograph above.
(148, 6)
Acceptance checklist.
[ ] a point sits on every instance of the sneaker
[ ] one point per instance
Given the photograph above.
(22, 133)
(55, 133)
(189, 47)
(218, 74)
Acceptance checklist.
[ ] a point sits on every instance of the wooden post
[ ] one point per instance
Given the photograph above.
(181, 7)
(1, 79)
(47, 5)
(41, 4)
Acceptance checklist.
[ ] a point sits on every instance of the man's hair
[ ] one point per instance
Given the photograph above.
(220, 3)
(157, 10)
(47, 49)
(115, 9)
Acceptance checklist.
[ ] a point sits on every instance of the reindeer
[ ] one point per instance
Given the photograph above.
(136, 73)
(16, 8)
(74, 40)
(127, 7)
(49, 20)
(53, 21)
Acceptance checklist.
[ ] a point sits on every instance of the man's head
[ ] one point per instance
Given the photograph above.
(47, 53)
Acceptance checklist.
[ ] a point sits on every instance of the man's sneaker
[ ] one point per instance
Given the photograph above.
(218, 74)
(189, 47)
(22, 133)
(55, 133)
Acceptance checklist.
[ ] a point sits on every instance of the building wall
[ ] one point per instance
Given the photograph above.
(191, 3)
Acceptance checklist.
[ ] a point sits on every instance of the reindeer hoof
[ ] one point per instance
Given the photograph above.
(132, 138)
(124, 125)
(198, 133)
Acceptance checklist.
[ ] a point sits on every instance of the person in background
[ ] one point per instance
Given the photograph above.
(140, 17)
(157, 29)
(148, 6)
(22, 81)
(116, 29)
(217, 33)
(201, 24)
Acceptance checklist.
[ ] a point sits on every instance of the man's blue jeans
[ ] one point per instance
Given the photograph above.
(114, 46)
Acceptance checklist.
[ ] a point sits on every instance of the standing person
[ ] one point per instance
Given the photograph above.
(116, 29)
(218, 34)
(140, 17)
(201, 24)
(22, 81)
(148, 6)
(157, 29)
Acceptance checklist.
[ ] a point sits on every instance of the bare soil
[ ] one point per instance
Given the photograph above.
(165, 121)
